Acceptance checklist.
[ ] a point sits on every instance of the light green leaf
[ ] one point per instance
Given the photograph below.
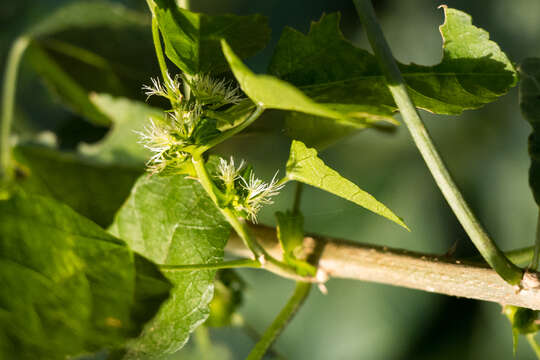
(68, 287)
(171, 220)
(192, 39)
(473, 71)
(330, 69)
(305, 166)
(121, 144)
(94, 190)
(529, 102)
(272, 93)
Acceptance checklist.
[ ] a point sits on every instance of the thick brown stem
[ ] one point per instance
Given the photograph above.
(432, 273)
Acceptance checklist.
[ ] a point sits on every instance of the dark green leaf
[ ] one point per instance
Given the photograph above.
(66, 88)
(69, 53)
(85, 15)
(529, 102)
(121, 145)
(192, 39)
(171, 220)
(304, 166)
(94, 190)
(68, 287)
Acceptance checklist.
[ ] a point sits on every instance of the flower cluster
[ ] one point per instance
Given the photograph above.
(244, 193)
(189, 122)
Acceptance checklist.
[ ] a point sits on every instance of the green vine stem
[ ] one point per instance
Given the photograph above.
(242, 263)
(284, 317)
(8, 103)
(487, 248)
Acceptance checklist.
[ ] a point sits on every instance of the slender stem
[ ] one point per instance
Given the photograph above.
(487, 248)
(297, 197)
(238, 225)
(227, 134)
(8, 104)
(242, 263)
(534, 344)
(159, 50)
(536, 256)
(278, 325)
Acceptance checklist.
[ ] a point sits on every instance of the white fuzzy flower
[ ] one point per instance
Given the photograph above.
(259, 193)
(228, 172)
(171, 88)
(218, 92)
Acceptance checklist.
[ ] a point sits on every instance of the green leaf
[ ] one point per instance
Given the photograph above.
(94, 190)
(330, 69)
(192, 39)
(172, 221)
(272, 93)
(304, 166)
(473, 71)
(68, 287)
(121, 145)
(66, 52)
(529, 102)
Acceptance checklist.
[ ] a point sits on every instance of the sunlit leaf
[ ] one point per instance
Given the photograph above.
(330, 69)
(305, 166)
(272, 93)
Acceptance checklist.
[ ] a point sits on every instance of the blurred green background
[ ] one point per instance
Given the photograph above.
(486, 150)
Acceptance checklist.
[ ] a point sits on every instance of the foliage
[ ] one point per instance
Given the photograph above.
(137, 290)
